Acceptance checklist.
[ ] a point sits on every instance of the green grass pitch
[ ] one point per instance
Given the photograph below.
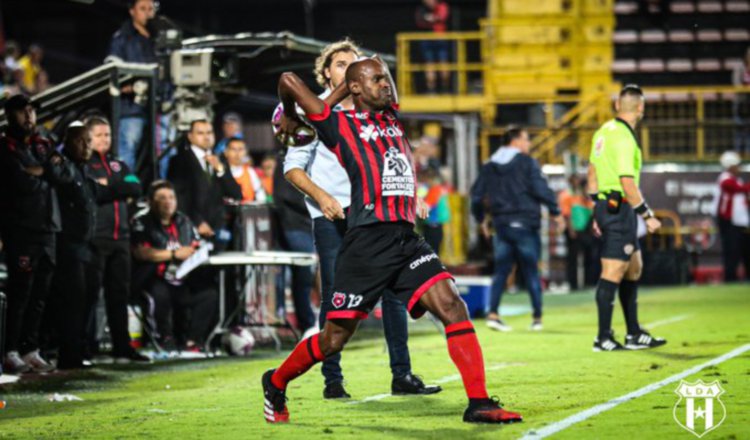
(546, 376)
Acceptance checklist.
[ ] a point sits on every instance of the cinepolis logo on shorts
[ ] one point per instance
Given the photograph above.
(699, 409)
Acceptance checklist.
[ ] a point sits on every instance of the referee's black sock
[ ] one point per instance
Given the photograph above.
(605, 302)
(629, 301)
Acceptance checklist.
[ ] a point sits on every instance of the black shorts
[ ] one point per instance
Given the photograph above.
(378, 257)
(619, 231)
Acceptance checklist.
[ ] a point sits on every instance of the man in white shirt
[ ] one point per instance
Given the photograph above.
(317, 173)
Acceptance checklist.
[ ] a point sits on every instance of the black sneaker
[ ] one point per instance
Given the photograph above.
(335, 391)
(607, 344)
(411, 384)
(643, 340)
(490, 411)
(274, 401)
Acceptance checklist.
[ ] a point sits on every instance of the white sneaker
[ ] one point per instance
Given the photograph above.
(37, 364)
(499, 325)
(536, 326)
(14, 364)
(310, 332)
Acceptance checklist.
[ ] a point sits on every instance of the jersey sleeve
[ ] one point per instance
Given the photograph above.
(624, 155)
(326, 124)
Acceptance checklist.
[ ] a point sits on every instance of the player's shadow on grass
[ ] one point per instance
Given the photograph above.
(678, 356)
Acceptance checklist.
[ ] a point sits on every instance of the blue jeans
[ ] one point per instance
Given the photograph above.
(522, 246)
(328, 236)
(130, 135)
(302, 278)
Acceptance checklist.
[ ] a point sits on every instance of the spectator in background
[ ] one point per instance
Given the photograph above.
(163, 237)
(240, 165)
(268, 168)
(435, 193)
(427, 154)
(577, 210)
(12, 73)
(741, 106)
(295, 227)
(432, 15)
(30, 171)
(509, 191)
(201, 183)
(733, 217)
(110, 262)
(231, 127)
(33, 77)
(132, 43)
(74, 247)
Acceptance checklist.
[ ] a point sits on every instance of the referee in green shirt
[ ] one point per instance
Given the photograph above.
(614, 175)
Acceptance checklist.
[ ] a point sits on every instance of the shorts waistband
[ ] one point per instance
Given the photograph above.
(603, 197)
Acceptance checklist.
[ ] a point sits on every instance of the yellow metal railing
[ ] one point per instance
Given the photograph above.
(680, 124)
(462, 97)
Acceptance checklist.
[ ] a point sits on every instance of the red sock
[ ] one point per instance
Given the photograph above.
(306, 354)
(466, 353)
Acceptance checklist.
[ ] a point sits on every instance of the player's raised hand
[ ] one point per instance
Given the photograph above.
(288, 127)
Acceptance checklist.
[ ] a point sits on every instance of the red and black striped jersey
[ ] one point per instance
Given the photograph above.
(374, 150)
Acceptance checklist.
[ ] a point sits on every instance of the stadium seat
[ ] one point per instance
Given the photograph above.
(732, 63)
(626, 8)
(737, 35)
(709, 35)
(707, 65)
(710, 7)
(679, 65)
(651, 65)
(624, 66)
(626, 37)
(682, 7)
(738, 6)
(653, 36)
(681, 36)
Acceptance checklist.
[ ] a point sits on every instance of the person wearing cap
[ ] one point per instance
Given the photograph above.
(231, 127)
(613, 183)
(30, 172)
(733, 217)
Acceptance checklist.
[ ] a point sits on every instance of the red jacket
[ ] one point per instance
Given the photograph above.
(733, 199)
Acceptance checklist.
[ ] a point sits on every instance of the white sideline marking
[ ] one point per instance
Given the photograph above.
(442, 380)
(598, 409)
(667, 321)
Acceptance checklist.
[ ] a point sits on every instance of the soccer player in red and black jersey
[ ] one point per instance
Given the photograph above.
(380, 249)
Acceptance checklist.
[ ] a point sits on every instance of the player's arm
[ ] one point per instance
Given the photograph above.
(592, 185)
(636, 200)
(340, 93)
(295, 163)
(293, 91)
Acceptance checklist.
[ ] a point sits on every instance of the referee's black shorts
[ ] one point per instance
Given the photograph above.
(382, 256)
(619, 231)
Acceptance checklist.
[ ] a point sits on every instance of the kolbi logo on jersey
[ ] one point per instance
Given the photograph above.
(373, 132)
(398, 177)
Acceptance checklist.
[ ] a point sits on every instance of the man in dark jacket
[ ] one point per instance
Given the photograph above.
(133, 43)
(513, 187)
(184, 310)
(74, 247)
(201, 183)
(30, 169)
(110, 264)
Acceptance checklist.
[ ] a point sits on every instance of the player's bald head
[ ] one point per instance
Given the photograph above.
(630, 100)
(361, 68)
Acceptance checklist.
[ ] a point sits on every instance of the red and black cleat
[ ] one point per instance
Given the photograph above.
(274, 401)
(490, 411)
